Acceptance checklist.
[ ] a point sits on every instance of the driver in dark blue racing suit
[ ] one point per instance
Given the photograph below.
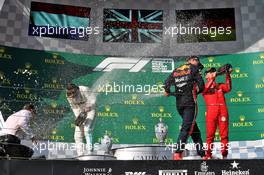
(188, 82)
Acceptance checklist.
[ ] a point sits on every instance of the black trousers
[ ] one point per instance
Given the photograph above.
(10, 139)
(188, 116)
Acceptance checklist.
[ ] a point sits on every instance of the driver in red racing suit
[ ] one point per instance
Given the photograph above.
(216, 110)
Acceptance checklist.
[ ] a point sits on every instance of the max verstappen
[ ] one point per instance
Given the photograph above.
(188, 82)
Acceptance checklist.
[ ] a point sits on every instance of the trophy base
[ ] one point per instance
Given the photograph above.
(96, 157)
(143, 152)
(151, 152)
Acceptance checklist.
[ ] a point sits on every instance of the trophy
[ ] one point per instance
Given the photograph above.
(161, 131)
(106, 142)
(224, 69)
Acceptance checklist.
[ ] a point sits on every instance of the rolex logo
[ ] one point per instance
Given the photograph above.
(237, 69)
(55, 55)
(107, 108)
(135, 120)
(2, 50)
(242, 118)
(109, 133)
(261, 56)
(211, 59)
(54, 104)
(54, 131)
(161, 109)
(54, 80)
(27, 90)
(28, 65)
(239, 93)
(134, 97)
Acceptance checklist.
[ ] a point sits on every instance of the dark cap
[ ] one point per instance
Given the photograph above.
(210, 70)
(193, 57)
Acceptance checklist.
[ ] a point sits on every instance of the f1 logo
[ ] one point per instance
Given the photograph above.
(135, 173)
(132, 64)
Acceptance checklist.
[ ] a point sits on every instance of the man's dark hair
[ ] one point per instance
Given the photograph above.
(29, 107)
(192, 57)
(71, 86)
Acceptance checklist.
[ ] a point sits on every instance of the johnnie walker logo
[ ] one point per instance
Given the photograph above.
(54, 60)
(134, 101)
(108, 113)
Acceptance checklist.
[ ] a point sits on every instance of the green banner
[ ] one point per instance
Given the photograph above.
(129, 93)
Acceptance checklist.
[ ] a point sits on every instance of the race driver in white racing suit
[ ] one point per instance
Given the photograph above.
(82, 101)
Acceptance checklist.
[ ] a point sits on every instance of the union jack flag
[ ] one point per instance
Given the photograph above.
(135, 26)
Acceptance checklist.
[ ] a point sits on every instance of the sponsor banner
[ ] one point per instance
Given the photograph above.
(212, 167)
(129, 93)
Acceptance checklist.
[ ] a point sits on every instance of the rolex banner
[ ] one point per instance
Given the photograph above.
(129, 93)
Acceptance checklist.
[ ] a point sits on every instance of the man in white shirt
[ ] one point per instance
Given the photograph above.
(18, 121)
(82, 101)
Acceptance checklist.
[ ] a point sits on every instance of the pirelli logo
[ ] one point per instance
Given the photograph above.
(173, 172)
